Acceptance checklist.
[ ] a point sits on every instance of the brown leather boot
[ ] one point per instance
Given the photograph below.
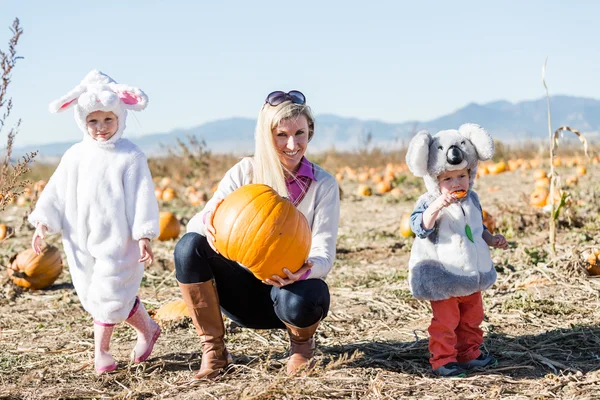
(302, 347)
(202, 302)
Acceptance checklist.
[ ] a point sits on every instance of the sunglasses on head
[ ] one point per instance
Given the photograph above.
(278, 97)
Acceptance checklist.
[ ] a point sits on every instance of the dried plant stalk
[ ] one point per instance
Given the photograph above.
(10, 182)
(554, 176)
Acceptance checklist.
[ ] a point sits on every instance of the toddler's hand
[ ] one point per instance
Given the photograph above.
(146, 253)
(500, 242)
(38, 236)
(443, 201)
(210, 229)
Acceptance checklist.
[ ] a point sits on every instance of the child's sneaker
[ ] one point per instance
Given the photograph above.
(484, 360)
(452, 369)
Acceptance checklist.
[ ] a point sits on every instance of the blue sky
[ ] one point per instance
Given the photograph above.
(393, 61)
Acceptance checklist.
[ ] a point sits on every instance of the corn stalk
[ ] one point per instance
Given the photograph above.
(555, 183)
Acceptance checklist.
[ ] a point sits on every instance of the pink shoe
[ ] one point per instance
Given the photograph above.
(103, 361)
(147, 330)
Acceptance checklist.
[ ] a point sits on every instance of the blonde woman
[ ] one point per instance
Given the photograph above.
(210, 282)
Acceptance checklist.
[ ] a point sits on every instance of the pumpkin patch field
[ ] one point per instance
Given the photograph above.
(542, 316)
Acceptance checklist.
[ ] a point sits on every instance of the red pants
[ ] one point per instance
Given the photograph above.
(454, 333)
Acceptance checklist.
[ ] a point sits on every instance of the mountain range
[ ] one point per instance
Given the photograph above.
(503, 120)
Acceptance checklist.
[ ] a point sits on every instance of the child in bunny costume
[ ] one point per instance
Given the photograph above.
(450, 262)
(101, 197)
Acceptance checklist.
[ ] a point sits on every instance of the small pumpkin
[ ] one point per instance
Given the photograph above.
(497, 168)
(538, 197)
(169, 226)
(581, 170)
(489, 221)
(33, 271)
(539, 174)
(168, 194)
(172, 311)
(405, 229)
(5, 230)
(383, 187)
(542, 182)
(572, 180)
(261, 230)
(364, 190)
(593, 264)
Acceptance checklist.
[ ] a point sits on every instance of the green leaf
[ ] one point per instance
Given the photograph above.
(469, 233)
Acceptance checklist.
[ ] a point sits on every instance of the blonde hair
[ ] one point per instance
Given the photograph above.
(267, 166)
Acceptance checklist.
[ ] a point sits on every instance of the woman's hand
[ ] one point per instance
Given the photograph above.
(210, 229)
(146, 253)
(279, 282)
(38, 236)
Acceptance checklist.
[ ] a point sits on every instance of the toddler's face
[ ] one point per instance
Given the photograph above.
(452, 181)
(102, 125)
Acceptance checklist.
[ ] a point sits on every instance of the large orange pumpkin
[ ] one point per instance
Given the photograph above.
(169, 226)
(262, 231)
(35, 271)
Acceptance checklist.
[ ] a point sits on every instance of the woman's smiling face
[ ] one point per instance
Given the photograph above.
(291, 138)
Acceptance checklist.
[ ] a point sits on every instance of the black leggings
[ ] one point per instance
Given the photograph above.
(243, 297)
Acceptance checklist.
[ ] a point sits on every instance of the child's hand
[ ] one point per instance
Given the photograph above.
(38, 236)
(499, 241)
(210, 229)
(443, 201)
(146, 253)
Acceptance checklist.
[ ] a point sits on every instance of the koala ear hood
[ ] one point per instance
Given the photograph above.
(417, 155)
(481, 140)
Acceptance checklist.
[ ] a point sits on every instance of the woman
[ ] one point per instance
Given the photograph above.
(299, 302)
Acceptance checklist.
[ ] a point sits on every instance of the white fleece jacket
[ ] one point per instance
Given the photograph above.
(320, 206)
(102, 199)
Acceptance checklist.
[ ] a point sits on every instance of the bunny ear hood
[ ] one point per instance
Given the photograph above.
(99, 92)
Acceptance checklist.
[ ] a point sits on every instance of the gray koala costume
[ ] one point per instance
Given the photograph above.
(444, 261)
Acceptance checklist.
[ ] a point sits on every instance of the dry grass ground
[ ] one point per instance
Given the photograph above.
(542, 318)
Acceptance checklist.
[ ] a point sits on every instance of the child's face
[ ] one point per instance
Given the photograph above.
(451, 181)
(102, 125)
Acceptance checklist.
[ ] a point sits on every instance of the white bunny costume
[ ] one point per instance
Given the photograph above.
(101, 197)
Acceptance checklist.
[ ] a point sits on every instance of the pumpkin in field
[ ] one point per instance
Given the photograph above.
(364, 190)
(538, 197)
(5, 230)
(168, 194)
(33, 271)
(489, 221)
(593, 262)
(497, 168)
(405, 230)
(572, 180)
(384, 187)
(262, 231)
(539, 174)
(581, 170)
(172, 311)
(169, 226)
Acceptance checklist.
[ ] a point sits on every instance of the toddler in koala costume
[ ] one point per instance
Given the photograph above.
(101, 197)
(450, 262)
